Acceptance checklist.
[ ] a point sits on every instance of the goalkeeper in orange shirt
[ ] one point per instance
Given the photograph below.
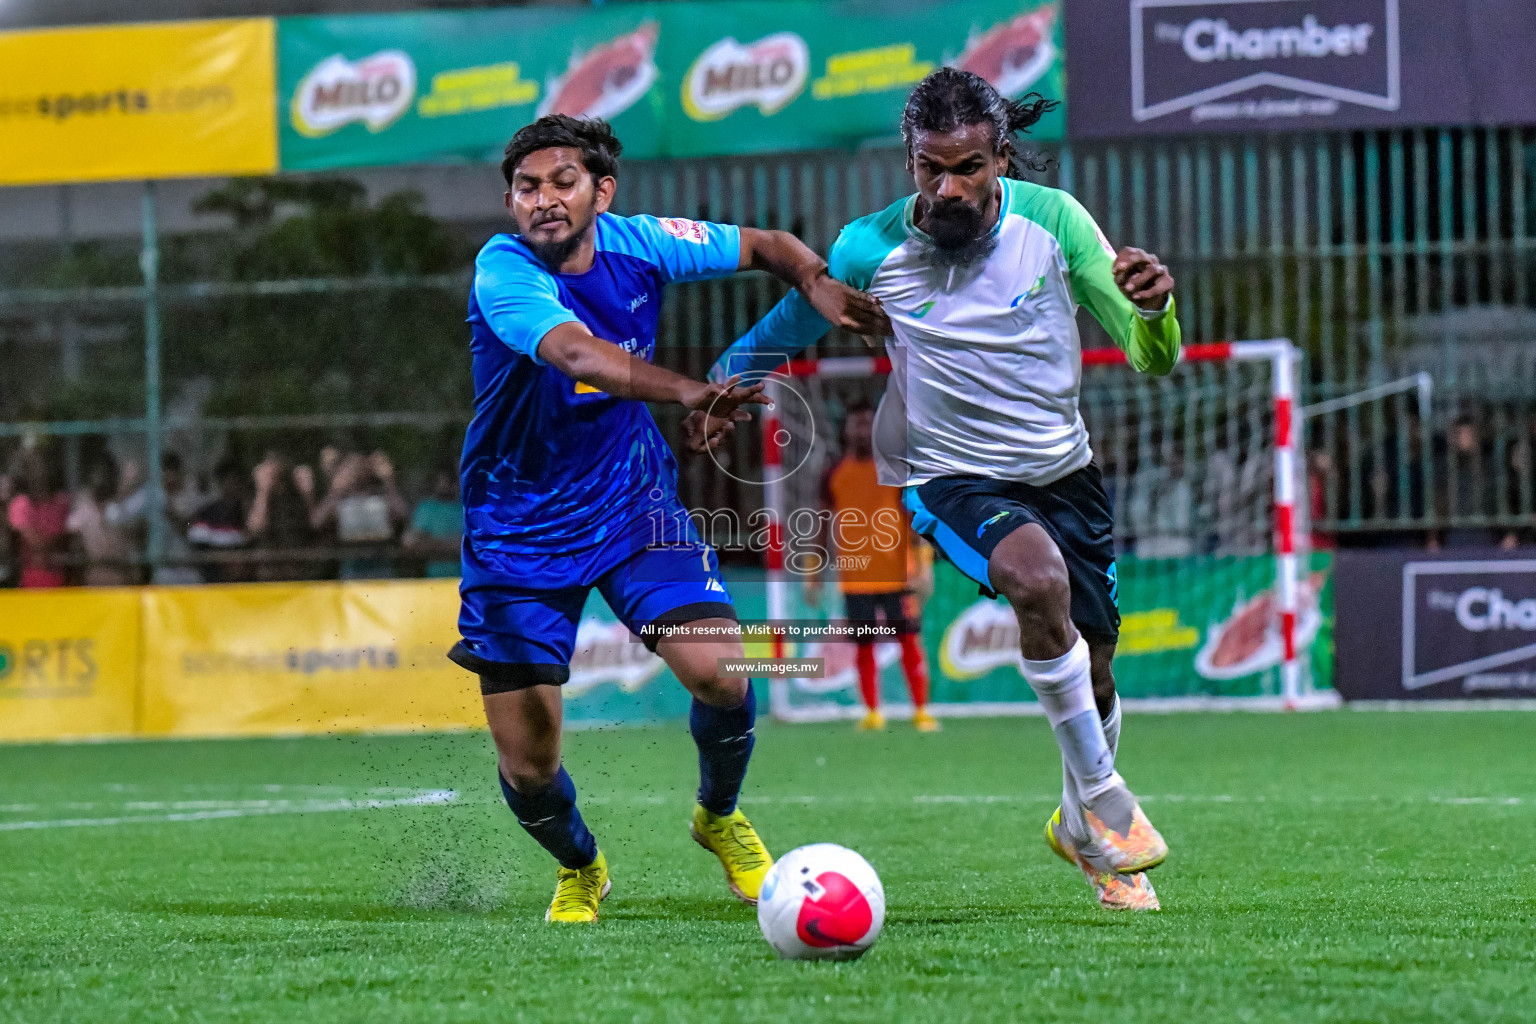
(885, 572)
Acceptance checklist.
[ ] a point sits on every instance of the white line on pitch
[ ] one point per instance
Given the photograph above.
(206, 810)
(246, 809)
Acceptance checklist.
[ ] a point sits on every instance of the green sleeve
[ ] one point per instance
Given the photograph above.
(1151, 344)
(863, 245)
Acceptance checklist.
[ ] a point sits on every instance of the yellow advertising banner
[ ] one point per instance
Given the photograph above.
(159, 100)
(69, 663)
(268, 659)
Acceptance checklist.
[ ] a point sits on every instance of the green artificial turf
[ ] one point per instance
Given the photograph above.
(1331, 867)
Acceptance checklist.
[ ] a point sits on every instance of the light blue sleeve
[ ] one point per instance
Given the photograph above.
(684, 250)
(794, 325)
(789, 328)
(518, 298)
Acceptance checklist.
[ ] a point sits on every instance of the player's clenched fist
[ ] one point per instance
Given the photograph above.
(1143, 278)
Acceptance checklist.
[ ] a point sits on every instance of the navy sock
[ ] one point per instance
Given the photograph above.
(551, 817)
(724, 737)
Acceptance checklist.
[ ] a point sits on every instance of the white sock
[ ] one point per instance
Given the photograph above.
(1065, 691)
(1112, 728)
(1071, 806)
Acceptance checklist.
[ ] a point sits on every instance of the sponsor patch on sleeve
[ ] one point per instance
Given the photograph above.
(688, 230)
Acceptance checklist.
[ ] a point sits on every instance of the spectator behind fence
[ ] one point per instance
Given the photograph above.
(182, 500)
(220, 524)
(1468, 487)
(1521, 493)
(363, 508)
(279, 517)
(1162, 507)
(1322, 480)
(38, 515)
(1394, 485)
(330, 461)
(437, 526)
(7, 538)
(104, 545)
(183, 497)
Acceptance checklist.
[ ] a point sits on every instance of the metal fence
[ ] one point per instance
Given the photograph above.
(1385, 255)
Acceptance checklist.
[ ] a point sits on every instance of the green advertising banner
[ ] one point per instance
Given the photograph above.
(1191, 627)
(374, 90)
(676, 79)
(803, 75)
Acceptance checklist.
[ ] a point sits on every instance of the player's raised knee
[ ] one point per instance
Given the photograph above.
(701, 668)
(1039, 587)
(530, 773)
(701, 675)
(717, 690)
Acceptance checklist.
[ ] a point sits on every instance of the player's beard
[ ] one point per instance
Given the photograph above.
(554, 254)
(959, 237)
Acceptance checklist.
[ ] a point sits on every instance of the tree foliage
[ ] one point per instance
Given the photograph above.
(332, 347)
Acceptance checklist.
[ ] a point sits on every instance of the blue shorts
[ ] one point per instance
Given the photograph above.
(517, 636)
(966, 517)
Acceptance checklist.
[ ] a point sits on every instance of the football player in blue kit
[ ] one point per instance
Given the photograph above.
(565, 478)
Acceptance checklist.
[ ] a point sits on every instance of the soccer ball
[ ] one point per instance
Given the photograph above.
(821, 902)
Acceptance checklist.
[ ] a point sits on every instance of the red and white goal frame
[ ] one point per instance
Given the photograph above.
(1279, 353)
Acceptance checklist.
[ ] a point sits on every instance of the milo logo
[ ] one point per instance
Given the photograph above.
(374, 91)
(983, 637)
(606, 652)
(768, 74)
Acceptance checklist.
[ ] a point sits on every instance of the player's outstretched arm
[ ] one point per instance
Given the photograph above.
(572, 349)
(784, 332)
(791, 261)
(795, 323)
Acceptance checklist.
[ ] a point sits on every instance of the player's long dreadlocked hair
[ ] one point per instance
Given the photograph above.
(950, 98)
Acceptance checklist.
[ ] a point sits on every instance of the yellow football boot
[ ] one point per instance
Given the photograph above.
(923, 721)
(1115, 891)
(873, 721)
(579, 891)
(733, 839)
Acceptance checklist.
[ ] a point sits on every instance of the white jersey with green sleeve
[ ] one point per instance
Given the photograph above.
(986, 360)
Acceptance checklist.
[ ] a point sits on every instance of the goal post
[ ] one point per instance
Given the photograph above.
(1219, 600)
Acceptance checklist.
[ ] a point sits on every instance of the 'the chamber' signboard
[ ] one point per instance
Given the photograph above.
(1266, 65)
(1412, 626)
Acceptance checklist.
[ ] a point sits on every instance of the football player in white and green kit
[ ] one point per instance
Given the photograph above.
(981, 275)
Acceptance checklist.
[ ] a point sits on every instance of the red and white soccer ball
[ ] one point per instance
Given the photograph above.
(821, 902)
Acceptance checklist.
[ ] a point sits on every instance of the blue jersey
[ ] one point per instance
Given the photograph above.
(555, 474)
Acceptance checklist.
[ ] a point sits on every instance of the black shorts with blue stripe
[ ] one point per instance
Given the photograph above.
(966, 517)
